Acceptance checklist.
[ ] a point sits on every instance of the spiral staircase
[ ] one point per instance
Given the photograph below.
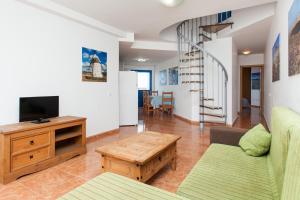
(203, 74)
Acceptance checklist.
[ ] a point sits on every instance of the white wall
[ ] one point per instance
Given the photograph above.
(252, 59)
(223, 49)
(41, 55)
(247, 60)
(286, 91)
(181, 94)
(235, 80)
(243, 18)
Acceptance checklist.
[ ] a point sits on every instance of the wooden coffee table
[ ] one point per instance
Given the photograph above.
(140, 156)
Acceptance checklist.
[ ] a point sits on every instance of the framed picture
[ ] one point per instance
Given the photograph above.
(163, 77)
(255, 79)
(294, 38)
(94, 65)
(173, 76)
(276, 60)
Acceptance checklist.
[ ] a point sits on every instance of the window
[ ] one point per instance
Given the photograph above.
(224, 16)
(143, 80)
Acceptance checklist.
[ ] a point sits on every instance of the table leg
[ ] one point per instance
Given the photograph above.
(173, 163)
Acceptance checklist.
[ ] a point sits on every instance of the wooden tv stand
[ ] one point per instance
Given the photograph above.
(26, 147)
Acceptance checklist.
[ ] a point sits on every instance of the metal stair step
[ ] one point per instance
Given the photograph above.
(192, 53)
(187, 82)
(197, 90)
(192, 66)
(215, 28)
(200, 42)
(212, 122)
(207, 99)
(191, 59)
(212, 115)
(191, 74)
(211, 107)
(205, 37)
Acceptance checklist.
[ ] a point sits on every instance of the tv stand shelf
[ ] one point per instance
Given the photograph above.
(66, 133)
(26, 147)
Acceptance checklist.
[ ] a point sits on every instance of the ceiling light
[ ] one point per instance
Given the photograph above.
(246, 52)
(142, 59)
(171, 3)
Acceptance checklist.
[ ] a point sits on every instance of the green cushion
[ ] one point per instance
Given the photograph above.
(256, 142)
(226, 172)
(110, 186)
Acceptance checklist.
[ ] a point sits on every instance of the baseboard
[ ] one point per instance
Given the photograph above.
(98, 136)
(187, 120)
(197, 123)
(234, 122)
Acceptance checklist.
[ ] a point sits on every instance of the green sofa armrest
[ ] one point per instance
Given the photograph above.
(226, 135)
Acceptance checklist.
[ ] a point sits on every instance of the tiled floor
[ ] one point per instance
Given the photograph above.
(250, 117)
(54, 182)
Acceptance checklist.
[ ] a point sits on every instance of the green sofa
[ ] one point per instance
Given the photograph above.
(224, 171)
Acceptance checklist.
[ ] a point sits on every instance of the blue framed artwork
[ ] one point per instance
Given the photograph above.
(294, 38)
(276, 60)
(173, 76)
(255, 79)
(163, 77)
(94, 65)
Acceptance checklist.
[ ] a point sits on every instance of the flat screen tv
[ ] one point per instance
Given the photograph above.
(38, 109)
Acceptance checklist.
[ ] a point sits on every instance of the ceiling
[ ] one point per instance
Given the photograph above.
(147, 18)
(128, 55)
(253, 37)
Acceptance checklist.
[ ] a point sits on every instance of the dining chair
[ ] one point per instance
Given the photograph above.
(154, 93)
(147, 106)
(145, 99)
(167, 102)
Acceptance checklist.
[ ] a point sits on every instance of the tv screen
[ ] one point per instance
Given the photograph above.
(36, 108)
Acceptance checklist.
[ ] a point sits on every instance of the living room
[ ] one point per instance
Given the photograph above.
(65, 58)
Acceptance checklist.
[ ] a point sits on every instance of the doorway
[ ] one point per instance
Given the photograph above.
(144, 84)
(252, 88)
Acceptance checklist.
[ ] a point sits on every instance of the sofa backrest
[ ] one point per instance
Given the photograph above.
(285, 133)
(291, 182)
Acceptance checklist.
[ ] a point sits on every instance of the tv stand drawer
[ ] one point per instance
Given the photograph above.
(30, 158)
(31, 142)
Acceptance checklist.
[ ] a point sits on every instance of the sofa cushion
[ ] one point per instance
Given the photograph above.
(226, 172)
(256, 142)
(110, 186)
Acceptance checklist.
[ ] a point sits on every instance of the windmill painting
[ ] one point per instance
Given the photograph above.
(294, 38)
(94, 65)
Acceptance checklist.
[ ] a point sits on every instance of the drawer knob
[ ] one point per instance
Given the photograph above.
(31, 142)
(31, 156)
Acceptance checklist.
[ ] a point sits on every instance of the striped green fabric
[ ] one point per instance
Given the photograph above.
(285, 152)
(226, 172)
(109, 186)
(223, 173)
(291, 184)
(282, 119)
